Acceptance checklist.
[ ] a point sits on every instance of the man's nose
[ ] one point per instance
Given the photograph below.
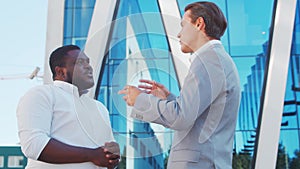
(88, 66)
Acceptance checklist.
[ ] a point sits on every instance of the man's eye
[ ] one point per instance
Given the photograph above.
(80, 61)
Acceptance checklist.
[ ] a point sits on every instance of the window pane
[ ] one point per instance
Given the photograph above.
(84, 3)
(1, 161)
(78, 14)
(15, 161)
(68, 24)
(82, 18)
(69, 3)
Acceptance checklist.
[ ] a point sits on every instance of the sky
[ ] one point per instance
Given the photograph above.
(23, 33)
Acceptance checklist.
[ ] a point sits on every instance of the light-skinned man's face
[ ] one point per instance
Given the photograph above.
(188, 34)
(79, 70)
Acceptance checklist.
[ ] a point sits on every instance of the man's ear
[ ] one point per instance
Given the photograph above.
(200, 23)
(61, 73)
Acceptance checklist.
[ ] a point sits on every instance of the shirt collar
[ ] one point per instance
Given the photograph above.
(68, 87)
(203, 48)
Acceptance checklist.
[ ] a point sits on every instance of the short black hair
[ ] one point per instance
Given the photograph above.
(57, 57)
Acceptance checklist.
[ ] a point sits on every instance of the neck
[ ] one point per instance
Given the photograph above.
(203, 42)
(81, 92)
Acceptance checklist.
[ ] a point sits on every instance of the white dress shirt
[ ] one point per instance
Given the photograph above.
(57, 111)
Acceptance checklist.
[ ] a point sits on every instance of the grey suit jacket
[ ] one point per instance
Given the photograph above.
(203, 116)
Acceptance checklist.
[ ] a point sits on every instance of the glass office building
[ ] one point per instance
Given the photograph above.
(127, 40)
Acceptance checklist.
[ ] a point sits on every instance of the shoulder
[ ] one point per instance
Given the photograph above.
(101, 106)
(37, 96)
(40, 91)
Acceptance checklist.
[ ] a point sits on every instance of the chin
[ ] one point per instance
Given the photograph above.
(90, 84)
(85, 84)
(185, 50)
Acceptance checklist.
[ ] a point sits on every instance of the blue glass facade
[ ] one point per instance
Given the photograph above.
(149, 55)
(78, 15)
(138, 40)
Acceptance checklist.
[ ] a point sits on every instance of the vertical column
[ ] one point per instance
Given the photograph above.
(275, 85)
(55, 33)
(98, 36)
(171, 19)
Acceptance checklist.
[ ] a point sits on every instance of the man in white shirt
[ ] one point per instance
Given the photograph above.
(61, 128)
(204, 114)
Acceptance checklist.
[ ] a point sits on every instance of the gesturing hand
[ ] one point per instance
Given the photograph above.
(154, 88)
(131, 93)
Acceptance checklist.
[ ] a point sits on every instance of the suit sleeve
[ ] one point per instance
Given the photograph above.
(201, 87)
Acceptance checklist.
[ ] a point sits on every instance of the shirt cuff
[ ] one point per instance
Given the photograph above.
(145, 107)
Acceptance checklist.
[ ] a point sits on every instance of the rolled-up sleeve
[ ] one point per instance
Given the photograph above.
(34, 115)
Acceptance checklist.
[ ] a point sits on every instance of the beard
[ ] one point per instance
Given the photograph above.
(69, 78)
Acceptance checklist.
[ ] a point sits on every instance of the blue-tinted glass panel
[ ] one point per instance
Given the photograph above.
(248, 28)
(69, 3)
(77, 21)
(148, 6)
(296, 35)
(288, 145)
(105, 79)
(84, 3)
(101, 96)
(143, 30)
(68, 24)
(79, 42)
(67, 41)
(82, 19)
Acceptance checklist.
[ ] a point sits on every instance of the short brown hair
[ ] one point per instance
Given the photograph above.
(214, 19)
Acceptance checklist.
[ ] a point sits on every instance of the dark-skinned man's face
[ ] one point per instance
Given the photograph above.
(79, 70)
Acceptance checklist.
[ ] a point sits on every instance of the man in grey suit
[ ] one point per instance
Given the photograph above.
(204, 114)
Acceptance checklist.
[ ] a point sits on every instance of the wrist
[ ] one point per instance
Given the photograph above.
(92, 154)
(89, 155)
(167, 94)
